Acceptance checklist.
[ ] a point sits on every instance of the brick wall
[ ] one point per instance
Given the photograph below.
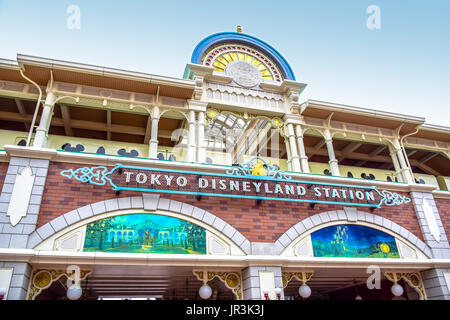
(3, 169)
(443, 206)
(262, 223)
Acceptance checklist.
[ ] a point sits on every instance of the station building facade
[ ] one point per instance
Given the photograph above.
(151, 186)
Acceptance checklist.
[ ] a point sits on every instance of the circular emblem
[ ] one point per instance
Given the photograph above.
(42, 279)
(244, 74)
(232, 280)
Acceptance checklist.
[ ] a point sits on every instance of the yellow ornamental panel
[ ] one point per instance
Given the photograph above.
(223, 61)
(261, 67)
(218, 65)
(228, 57)
(234, 56)
(241, 56)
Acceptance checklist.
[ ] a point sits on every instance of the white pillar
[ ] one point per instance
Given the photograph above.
(406, 173)
(153, 147)
(397, 169)
(295, 162)
(333, 161)
(201, 148)
(40, 139)
(301, 149)
(191, 137)
(288, 154)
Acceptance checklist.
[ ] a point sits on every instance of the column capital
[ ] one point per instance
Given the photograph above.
(197, 105)
(294, 119)
(327, 135)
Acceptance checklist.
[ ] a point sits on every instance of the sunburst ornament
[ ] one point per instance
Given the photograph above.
(223, 56)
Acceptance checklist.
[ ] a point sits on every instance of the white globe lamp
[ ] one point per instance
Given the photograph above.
(304, 291)
(74, 292)
(205, 291)
(397, 290)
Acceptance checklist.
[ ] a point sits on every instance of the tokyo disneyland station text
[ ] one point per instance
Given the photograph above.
(221, 184)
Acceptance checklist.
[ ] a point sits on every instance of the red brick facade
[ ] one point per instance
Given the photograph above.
(443, 206)
(3, 170)
(263, 223)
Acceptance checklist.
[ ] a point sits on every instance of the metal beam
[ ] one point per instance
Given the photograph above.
(319, 144)
(148, 130)
(352, 146)
(428, 157)
(377, 151)
(374, 153)
(108, 124)
(65, 113)
(425, 168)
(83, 124)
(22, 111)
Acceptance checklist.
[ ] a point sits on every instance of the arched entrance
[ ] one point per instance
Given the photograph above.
(149, 252)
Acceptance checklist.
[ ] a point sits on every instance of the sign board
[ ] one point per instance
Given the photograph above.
(253, 180)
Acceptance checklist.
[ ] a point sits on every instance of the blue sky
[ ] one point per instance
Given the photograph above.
(404, 67)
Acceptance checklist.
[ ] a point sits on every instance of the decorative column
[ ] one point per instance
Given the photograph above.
(333, 161)
(406, 173)
(301, 149)
(40, 139)
(201, 149)
(288, 154)
(295, 163)
(398, 172)
(153, 147)
(191, 137)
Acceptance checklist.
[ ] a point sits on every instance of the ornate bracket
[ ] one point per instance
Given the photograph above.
(42, 279)
(413, 279)
(248, 169)
(302, 276)
(232, 280)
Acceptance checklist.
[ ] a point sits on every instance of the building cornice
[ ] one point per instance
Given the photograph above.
(93, 258)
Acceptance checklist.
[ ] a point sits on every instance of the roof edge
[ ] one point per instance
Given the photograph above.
(23, 60)
(365, 111)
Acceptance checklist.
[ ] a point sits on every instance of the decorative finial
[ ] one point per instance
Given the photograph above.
(238, 29)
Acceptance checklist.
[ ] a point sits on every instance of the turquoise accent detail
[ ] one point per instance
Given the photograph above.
(95, 175)
(245, 39)
(99, 176)
(392, 199)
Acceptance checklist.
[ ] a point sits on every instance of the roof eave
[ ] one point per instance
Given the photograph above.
(24, 60)
(363, 111)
